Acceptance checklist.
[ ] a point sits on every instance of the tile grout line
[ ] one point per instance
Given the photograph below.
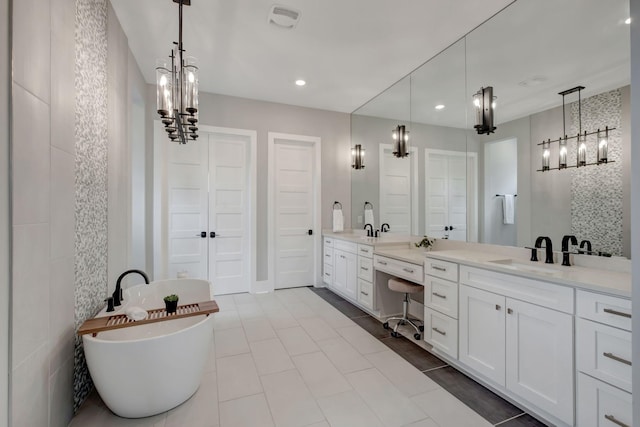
(509, 419)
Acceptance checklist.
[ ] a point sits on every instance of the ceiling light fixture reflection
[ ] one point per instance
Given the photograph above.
(439, 107)
(300, 82)
(627, 21)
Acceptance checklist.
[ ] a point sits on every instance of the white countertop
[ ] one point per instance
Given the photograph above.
(384, 239)
(606, 281)
(407, 254)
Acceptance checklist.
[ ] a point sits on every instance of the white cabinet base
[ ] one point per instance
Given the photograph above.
(599, 404)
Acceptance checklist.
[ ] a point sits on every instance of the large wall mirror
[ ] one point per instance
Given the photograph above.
(453, 181)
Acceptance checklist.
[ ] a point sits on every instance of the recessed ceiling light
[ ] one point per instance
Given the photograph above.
(300, 82)
(627, 21)
(439, 107)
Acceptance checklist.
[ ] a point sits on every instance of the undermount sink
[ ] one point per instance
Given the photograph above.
(513, 264)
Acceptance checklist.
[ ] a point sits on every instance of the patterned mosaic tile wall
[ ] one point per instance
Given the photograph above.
(596, 191)
(91, 175)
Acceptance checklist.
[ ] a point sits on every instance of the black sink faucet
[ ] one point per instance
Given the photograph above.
(383, 229)
(369, 230)
(588, 245)
(548, 246)
(565, 248)
(117, 294)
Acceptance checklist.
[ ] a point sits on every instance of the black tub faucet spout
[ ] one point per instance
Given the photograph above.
(117, 294)
(565, 248)
(548, 246)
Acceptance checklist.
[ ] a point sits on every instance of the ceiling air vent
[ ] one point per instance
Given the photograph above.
(283, 16)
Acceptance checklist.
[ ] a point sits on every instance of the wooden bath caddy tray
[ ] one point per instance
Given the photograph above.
(118, 321)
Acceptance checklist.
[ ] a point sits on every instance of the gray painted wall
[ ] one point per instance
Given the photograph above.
(263, 117)
(5, 207)
(500, 177)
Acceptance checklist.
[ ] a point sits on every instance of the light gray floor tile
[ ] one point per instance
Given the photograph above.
(401, 373)
(297, 341)
(343, 355)
(322, 378)
(291, 402)
(258, 330)
(335, 318)
(348, 410)
(361, 340)
(229, 342)
(301, 310)
(225, 302)
(244, 298)
(386, 401)
(270, 357)
(250, 310)
(226, 320)
(317, 328)
(237, 377)
(423, 423)
(446, 410)
(250, 411)
(281, 319)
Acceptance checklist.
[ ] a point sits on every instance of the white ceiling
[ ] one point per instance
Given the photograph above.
(347, 51)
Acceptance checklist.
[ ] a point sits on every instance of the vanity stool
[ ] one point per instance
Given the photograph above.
(399, 285)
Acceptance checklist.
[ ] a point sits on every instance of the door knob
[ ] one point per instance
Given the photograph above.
(212, 234)
(202, 234)
(446, 228)
(310, 232)
(451, 227)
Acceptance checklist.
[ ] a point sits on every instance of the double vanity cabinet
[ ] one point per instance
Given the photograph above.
(560, 350)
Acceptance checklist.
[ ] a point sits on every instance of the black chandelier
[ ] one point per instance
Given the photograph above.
(177, 90)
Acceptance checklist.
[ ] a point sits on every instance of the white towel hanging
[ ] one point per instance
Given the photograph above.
(508, 208)
(338, 221)
(368, 215)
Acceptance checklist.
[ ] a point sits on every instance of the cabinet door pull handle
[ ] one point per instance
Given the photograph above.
(364, 293)
(408, 270)
(364, 268)
(382, 262)
(327, 255)
(509, 311)
(342, 256)
(498, 307)
(437, 267)
(439, 331)
(435, 294)
(616, 421)
(327, 274)
(366, 251)
(616, 358)
(617, 313)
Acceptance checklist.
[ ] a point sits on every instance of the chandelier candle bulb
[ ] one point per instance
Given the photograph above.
(582, 150)
(562, 154)
(603, 145)
(400, 141)
(546, 153)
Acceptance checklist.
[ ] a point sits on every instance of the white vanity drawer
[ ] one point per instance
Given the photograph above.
(365, 293)
(365, 250)
(601, 405)
(604, 352)
(405, 270)
(548, 295)
(442, 269)
(605, 309)
(327, 276)
(441, 295)
(346, 246)
(328, 241)
(365, 268)
(441, 332)
(328, 255)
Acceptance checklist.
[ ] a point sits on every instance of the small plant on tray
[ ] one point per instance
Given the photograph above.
(171, 303)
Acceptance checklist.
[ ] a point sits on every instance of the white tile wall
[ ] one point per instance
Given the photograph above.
(62, 201)
(30, 393)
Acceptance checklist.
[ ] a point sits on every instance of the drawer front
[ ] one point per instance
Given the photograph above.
(328, 241)
(365, 293)
(548, 295)
(328, 255)
(327, 276)
(442, 269)
(346, 246)
(604, 352)
(441, 332)
(441, 295)
(365, 268)
(610, 310)
(405, 270)
(601, 405)
(365, 250)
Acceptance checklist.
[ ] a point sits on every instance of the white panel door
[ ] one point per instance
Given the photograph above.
(187, 209)
(228, 233)
(294, 189)
(396, 190)
(540, 357)
(482, 332)
(446, 194)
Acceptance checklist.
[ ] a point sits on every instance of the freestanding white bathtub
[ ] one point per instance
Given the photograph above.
(144, 370)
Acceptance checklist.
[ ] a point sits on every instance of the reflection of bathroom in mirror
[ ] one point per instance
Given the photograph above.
(462, 177)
